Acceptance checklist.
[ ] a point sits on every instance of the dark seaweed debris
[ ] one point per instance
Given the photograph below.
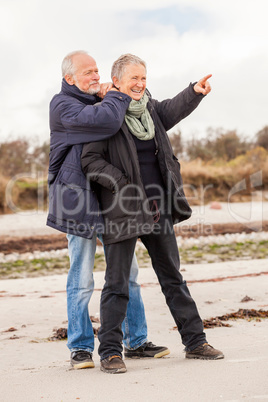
(58, 334)
(61, 333)
(246, 299)
(11, 329)
(244, 314)
(214, 322)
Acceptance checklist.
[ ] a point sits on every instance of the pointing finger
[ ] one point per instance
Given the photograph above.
(203, 80)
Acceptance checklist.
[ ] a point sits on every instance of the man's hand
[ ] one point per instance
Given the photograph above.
(104, 88)
(203, 86)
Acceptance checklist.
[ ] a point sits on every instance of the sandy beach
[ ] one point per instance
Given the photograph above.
(32, 223)
(36, 369)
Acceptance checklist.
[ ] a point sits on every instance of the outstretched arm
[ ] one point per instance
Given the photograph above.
(172, 111)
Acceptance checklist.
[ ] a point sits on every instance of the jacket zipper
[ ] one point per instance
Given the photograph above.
(156, 152)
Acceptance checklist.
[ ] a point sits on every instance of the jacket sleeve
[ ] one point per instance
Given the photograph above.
(88, 123)
(98, 169)
(172, 111)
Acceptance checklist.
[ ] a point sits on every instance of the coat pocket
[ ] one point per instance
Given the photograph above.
(74, 179)
(73, 195)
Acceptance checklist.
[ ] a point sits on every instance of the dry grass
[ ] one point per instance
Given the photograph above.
(214, 180)
(3, 183)
(203, 182)
(3, 201)
(21, 194)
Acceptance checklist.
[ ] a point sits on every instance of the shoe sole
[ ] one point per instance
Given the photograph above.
(114, 371)
(205, 357)
(161, 354)
(141, 356)
(83, 365)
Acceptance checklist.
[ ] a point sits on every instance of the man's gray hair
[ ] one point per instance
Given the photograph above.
(67, 65)
(119, 66)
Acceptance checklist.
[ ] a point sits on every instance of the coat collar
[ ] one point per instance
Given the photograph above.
(72, 90)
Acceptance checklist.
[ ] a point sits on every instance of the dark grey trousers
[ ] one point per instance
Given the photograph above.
(163, 250)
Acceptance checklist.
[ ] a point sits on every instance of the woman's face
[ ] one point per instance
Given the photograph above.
(133, 82)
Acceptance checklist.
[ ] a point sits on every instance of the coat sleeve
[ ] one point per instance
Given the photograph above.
(172, 111)
(98, 169)
(87, 123)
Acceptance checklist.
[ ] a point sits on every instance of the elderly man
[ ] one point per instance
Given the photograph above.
(78, 116)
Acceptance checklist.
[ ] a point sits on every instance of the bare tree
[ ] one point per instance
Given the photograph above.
(262, 138)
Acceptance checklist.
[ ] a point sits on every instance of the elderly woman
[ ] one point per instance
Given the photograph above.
(140, 192)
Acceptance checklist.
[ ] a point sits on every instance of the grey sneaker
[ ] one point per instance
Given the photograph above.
(81, 359)
(205, 352)
(113, 365)
(148, 349)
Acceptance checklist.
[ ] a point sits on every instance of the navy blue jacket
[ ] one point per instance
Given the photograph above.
(77, 118)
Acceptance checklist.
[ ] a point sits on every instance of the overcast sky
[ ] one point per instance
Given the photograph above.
(180, 40)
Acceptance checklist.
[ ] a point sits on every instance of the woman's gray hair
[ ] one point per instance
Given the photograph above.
(119, 66)
(67, 65)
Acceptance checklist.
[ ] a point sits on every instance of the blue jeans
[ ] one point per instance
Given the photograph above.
(80, 286)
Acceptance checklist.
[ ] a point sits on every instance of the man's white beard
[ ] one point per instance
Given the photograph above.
(92, 91)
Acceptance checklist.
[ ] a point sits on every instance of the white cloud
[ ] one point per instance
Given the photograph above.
(228, 39)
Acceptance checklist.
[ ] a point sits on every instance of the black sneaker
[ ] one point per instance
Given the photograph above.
(205, 352)
(113, 365)
(148, 349)
(81, 359)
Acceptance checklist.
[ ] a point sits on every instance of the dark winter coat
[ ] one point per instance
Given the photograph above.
(114, 165)
(75, 120)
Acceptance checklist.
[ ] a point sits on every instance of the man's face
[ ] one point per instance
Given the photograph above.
(133, 82)
(86, 76)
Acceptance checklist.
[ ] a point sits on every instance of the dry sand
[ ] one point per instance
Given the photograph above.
(34, 222)
(35, 369)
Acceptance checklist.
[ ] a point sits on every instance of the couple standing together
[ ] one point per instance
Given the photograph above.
(113, 175)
